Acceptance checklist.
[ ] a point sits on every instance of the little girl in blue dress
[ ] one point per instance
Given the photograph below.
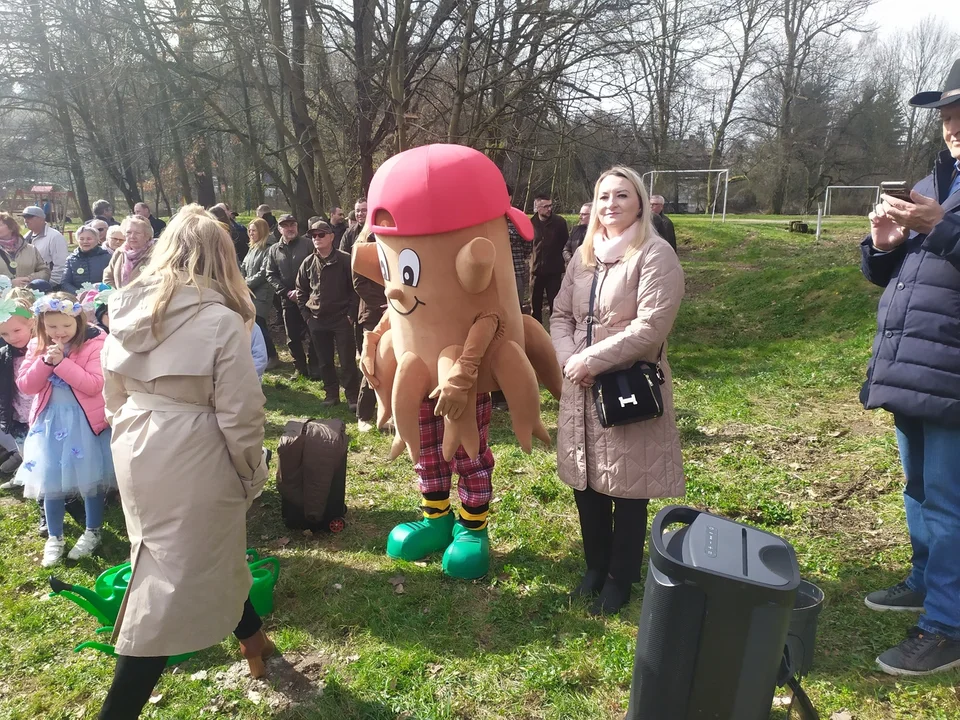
(67, 450)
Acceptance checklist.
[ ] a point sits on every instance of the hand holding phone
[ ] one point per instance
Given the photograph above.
(896, 189)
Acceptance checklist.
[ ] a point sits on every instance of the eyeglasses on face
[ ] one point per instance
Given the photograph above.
(319, 233)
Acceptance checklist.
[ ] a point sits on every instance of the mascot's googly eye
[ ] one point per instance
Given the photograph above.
(384, 266)
(409, 267)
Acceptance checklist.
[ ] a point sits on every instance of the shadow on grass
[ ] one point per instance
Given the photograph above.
(329, 596)
(849, 638)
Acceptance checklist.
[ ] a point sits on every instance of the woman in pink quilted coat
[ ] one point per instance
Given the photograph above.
(615, 471)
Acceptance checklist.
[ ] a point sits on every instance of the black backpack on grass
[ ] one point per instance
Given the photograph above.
(312, 475)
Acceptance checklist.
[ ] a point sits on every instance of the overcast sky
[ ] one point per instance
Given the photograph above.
(891, 15)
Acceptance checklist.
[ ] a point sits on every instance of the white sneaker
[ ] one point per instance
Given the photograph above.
(52, 551)
(88, 542)
(364, 426)
(8, 485)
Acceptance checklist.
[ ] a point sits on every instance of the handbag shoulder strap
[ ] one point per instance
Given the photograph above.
(591, 319)
(593, 293)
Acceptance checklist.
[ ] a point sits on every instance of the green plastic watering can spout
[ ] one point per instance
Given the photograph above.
(84, 597)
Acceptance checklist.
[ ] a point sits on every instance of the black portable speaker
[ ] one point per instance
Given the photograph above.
(716, 608)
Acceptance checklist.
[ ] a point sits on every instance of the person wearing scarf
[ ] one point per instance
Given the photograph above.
(130, 259)
(19, 261)
(615, 471)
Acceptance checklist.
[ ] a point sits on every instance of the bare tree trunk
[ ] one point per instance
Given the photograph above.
(362, 42)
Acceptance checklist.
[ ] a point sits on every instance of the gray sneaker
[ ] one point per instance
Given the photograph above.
(921, 654)
(899, 598)
(11, 464)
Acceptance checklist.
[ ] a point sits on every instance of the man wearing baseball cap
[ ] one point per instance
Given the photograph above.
(329, 305)
(913, 251)
(51, 245)
(283, 263)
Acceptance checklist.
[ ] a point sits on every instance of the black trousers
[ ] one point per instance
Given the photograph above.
(549, 284)
(614, 531)
(267, 338)
(298, 335)
(135, 677)
(339, 340)
(367, 400)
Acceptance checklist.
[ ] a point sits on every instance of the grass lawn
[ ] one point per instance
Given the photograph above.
(768, 354)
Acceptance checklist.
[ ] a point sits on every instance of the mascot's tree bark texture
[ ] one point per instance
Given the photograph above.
(453, 333)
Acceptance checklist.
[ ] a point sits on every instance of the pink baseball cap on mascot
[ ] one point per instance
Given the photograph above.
(440, 188)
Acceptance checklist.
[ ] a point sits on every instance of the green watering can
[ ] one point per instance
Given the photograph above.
(104, 600)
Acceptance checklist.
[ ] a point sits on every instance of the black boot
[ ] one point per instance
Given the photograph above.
(77, 510)
(591, 584)
(615, 595)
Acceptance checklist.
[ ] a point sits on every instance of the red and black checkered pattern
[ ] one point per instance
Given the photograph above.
(475, 486)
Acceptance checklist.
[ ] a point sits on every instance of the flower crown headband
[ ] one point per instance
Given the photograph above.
(99, 293)
(49, 303)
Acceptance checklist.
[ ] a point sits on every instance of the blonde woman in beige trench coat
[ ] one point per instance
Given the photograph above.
(187, 413)
(615, 471)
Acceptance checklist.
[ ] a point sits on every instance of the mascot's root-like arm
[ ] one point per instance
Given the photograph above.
(409, 388)
(457, 368)
(542, 356)
(518, 381)
(378, 363)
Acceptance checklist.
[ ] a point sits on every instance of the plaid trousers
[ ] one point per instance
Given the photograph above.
(434, 474)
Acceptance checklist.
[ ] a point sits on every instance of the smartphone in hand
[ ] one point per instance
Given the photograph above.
(897, 189)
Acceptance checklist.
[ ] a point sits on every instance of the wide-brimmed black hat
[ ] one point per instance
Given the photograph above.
(937, 99)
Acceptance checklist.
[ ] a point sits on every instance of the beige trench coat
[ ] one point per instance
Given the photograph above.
(637, 302)
(187, 416)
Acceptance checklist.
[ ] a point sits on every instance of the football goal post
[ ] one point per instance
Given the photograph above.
(860, 190)
(722, 181)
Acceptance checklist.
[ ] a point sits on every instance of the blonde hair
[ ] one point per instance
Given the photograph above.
(195, 251)
(135, 220)
(22, 297)
(43, 339)
(645, 224)
(263, 232)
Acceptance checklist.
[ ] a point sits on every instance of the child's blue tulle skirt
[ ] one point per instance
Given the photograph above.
(61, 454)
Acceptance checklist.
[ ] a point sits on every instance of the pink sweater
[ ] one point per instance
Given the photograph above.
(81, 371)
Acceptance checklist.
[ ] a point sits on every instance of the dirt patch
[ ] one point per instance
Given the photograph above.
(292, 679)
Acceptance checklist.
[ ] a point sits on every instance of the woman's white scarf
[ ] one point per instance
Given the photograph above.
(610, 249)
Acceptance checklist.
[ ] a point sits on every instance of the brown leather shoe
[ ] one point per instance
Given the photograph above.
(256, 649)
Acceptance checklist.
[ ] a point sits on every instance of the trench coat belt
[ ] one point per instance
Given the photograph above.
(163, 403)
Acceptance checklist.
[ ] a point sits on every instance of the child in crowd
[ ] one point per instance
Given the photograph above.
(94, 300)
(67, 449)
(16, 330)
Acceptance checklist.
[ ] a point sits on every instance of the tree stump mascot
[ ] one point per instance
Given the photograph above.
(453, 333)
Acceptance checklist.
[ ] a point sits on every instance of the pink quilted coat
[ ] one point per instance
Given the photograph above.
(637, 302)
(82, 373)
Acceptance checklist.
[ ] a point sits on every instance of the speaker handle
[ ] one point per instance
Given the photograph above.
(661, 559)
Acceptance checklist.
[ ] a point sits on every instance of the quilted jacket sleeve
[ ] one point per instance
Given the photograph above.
(659, 292)
(562, 321)
(34, 372)
(944, 240)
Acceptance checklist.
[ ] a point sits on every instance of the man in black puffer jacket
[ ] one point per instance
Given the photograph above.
(913, 251)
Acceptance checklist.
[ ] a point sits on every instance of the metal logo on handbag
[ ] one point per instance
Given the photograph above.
(626, 396)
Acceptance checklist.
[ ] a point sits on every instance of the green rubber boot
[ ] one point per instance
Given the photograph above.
(468, 556)
(415, 540)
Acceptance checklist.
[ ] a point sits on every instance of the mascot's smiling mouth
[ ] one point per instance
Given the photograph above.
(416, 304)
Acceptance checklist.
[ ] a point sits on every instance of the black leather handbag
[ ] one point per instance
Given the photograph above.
(626, 396)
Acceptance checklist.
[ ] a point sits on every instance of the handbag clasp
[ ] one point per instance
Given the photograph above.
(624, 401)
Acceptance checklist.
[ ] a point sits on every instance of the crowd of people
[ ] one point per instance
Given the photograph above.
(141, 392)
